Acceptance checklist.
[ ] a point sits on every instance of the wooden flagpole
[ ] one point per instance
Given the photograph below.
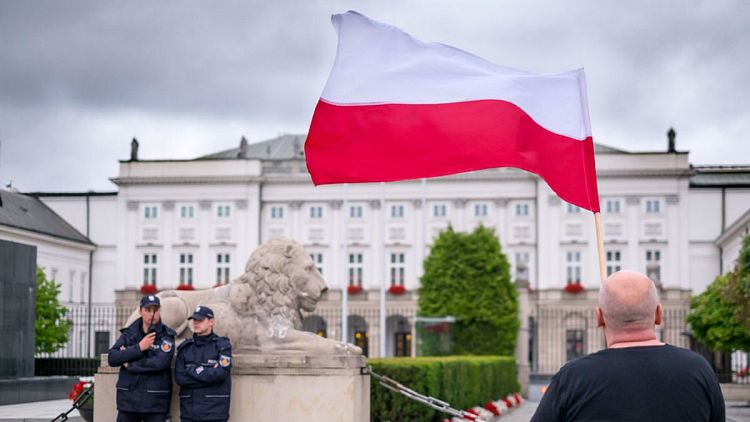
(600, 245)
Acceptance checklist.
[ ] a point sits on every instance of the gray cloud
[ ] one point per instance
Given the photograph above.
(79, 79)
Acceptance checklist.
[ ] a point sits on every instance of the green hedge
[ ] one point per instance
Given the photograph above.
(462, 381)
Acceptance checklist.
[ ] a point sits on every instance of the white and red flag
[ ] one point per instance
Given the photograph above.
(397, 108)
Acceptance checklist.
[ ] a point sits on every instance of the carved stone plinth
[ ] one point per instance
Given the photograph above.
(276, 387)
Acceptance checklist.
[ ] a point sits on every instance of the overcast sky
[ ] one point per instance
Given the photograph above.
(79, 80)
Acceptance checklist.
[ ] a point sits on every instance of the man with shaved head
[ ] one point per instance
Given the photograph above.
(637, 378)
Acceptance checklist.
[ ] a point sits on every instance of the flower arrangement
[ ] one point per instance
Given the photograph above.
(574, 287)
(742, 372)
(149, 289)
(354, 289)
(185, 287)
(86, 408)
(397, 289)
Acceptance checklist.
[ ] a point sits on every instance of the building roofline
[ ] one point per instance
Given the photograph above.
(71, 194)
(733, 228)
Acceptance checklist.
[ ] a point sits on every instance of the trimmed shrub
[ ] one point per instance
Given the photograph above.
(462, 381)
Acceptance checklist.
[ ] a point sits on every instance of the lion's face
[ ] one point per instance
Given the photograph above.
(307, 281)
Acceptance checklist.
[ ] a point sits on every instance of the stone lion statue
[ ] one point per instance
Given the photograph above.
(260, 311)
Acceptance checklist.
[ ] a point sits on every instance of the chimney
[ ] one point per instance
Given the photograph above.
(670, 136)
(243, 148)
(134, 150)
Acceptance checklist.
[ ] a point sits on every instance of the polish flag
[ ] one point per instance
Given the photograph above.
(397, 108)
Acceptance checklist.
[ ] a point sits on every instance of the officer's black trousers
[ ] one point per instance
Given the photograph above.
(141, 417)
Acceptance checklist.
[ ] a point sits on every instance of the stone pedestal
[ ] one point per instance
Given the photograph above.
(275, 387)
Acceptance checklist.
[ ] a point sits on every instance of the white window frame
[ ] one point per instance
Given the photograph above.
(150, 264)
(398, 211)
(223, 211)
(439, 210)
(654, 255)
(187, 212)
(317, 259)
(223, 267)
(83, 288)
(186, 268)
(524, 257)
(613, 259)
(355, 263)
(573, 266)
(150, 212)
(522, 209)
(276, 212)
(481, 210)
(356, 211)
(613, 206)
(397, 268)
(653, 206)
(71, 285)
(316, 212)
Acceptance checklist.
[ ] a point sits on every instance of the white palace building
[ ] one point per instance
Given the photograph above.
(195, 222)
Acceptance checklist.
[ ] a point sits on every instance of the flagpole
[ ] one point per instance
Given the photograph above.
(600, 245)
(345, 281)
(383, 271)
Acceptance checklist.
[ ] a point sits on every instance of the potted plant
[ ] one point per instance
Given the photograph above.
(574, 287)
(185, 287)
(397, 289)
(354, 289)
(149, 289)
(83, 399)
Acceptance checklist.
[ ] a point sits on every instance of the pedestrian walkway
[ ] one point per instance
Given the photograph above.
(40, 411)
(522, 413)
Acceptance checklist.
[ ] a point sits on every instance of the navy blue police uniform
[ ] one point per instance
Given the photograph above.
(203, 371)
(144, 388)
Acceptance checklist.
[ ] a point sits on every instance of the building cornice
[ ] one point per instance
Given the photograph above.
(123, 181)
(33, 235)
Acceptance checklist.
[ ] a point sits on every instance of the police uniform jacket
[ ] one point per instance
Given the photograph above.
(203, 371)
(145, 386)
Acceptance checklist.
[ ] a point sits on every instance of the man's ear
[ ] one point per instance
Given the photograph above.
(599, 317)
(659, 312)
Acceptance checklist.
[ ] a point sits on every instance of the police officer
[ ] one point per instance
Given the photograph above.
(203, 371)
(144, 353)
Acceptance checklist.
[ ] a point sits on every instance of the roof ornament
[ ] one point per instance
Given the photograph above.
(134, 150)
(670, 136)
(243, 148)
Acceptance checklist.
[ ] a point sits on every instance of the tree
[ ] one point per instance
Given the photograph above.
(51, 324)
(467, 276)
(719, 317)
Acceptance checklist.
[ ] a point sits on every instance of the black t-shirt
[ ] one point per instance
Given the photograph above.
(649, 383)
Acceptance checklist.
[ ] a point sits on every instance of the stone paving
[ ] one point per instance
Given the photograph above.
(40, 411)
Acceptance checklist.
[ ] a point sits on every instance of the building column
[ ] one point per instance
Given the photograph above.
(522, 342)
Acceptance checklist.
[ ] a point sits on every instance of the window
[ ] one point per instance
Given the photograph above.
(71, 283)
(439, 210)
(277, 213)
(187, 211)
(355, 211)
(613, 206)
(355, 269)
(222, 268)
(522, 210)
(573, 344)
(653, 206)
(53, 275)
(149, 268)
(397, 268)
(480, 210)
(614, 262)
(653, 264)
(522, 258)
(83, 288)
(317, 258)
(223, 211)
(316, 212)
(150, 212)
(572, 267)
(572, 209)
(397, 211)
(186, 269)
